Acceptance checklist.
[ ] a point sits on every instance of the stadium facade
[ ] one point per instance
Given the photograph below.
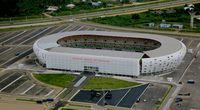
(111, 53)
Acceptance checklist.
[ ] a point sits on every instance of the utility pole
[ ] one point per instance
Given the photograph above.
(192, 20)
(191, 10)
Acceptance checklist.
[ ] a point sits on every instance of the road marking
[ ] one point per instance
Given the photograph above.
(15, 57)
(198, 45)
(6, 50)
(73, 27)
(50, 92)
(74, 95)
(6, 78)
(141, 95)
(190, 43)
(6, 35)
(28, 89)
(11, 83)
(35, 35)
(83, 28)
(181, 39)
(65, 28)
(102, 97)
(22, 37)
(14, 36)
(186, 70)
(60, 93)
(123, 97)
(55, 28)
(79, 29)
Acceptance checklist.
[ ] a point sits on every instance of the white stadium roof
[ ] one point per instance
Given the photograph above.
(168, 45)
(97, 52)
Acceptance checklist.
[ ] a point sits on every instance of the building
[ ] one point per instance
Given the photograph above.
(178, 26)
(151, 24)
(52, 8)
(97, 4)
(165, 25)
(70, 6)
(110, 53)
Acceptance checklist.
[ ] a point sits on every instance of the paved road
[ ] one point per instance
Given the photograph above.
(182, 34)
(142, 8)
(113, 12)
(179, 87)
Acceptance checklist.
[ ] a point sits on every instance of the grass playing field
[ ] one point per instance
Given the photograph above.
(60, 80)
(99, 83)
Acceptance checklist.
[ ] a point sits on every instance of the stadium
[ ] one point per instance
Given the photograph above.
(110, 53)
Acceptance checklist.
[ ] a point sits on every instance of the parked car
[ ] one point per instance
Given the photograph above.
(108, 95)
(178, 100)
(190, 82)
(17, 53)
(50, 99)
(39, 102)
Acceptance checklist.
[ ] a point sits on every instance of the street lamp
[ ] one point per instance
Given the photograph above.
(191, 10)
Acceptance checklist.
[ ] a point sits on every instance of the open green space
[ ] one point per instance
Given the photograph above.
(99, 83)
(67, 109)
(60, 80)
(170, 16)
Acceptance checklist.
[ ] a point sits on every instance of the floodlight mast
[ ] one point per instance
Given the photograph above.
(191, 10)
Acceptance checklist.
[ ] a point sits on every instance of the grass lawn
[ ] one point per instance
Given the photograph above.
(60, 80)
(67, 109)
(141, 20)
(99, 83)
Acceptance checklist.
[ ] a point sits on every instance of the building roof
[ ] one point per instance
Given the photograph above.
(168, 45)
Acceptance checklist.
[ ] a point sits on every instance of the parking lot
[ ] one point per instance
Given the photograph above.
(152, 97)
(191, 70)
(120, 98)
(18, 44)
(17, 82)
(191, 101)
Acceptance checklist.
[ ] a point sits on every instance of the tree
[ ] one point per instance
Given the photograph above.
(29, 7)
(124, 1)
(8, 8)
(135, 16)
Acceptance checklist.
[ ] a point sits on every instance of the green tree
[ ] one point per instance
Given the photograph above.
(135, 16)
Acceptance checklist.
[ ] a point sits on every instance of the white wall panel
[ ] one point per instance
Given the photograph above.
(113, 65)
(163, 63)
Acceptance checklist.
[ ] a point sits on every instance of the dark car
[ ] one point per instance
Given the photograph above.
(108, 96)
(190, 82)
(178, 99)
(39, 102)
(50, 99)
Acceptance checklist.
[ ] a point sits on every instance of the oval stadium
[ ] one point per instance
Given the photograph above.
(110, 53)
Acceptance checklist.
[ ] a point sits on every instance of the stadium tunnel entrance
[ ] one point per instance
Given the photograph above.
(90, 70)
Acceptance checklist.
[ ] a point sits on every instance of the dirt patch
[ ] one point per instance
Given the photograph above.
(21, 106)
